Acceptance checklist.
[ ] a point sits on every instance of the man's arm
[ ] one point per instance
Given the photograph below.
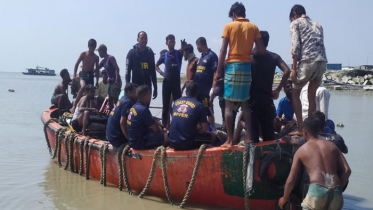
(128, 67)
(80, 59)
(116, 67)
(260, 49)
(223, 53)
(97, 70)
(183, 44)
(292, 179)
(203, 129)
(123, 126)
(153, 75)
(295, 48)
(155, 127)
(344, 168)
(159, 62)
(285, 69)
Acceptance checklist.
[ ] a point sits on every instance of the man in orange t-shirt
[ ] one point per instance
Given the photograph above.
(240, 35)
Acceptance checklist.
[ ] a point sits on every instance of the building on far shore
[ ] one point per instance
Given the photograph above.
(364, 67)
(348, 68)
(334, 66)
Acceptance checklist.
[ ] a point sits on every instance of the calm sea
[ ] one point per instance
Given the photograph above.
(29, 179)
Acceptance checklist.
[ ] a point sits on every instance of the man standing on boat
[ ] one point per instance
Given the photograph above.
(144, 132)
(140, 65)
(204, 77)
(327, 169)
(192, 65)
(111, 66)
(309, 59)
(90, 65)
(240, 36)
(60, 98)
(116, 129)
(171, 83)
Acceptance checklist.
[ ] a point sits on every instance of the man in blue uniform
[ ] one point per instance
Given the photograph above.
(141, 64)
(189, 122)
(116, 130)
(204, 76)
(171, 83)
(143, 131)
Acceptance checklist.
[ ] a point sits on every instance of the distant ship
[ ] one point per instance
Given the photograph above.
(40, 71)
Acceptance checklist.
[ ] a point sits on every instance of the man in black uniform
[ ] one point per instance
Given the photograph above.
(171, 83)
(141, 62)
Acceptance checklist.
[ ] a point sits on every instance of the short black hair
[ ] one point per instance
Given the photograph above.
(92, 43)
(163, 52)
(63, 72)
(192, 89)
(312, 126)
(130, 87)
(169, 37)
(103, 72)
(321, 117)
(265, 37)
(89, 88)
(138, 35)
(202, 41)
(288, 82)
(189, 48)
(142, 90)
(237, 8)
(297, 10)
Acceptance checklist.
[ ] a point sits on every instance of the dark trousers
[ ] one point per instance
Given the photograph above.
(263, 111)
(169, 89)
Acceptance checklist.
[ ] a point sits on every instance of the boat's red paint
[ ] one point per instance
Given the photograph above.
(208, 188)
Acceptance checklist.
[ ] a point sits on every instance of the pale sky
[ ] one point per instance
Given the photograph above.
(53, 33)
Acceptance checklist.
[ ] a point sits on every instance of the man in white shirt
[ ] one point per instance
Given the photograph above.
(103, 88)
(322, 101)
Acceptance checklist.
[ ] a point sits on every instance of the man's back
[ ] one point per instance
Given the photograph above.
(263, 69)
(241, 34)
(320, 158)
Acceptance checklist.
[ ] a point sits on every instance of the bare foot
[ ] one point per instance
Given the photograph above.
(296, 133)
(228, 144)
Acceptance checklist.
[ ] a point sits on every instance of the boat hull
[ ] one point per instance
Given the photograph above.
(219, 181)
(25, 73)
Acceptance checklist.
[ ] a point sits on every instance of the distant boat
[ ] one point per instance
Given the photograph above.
(40, 71)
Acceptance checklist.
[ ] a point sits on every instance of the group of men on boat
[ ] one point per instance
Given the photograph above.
(244, 79)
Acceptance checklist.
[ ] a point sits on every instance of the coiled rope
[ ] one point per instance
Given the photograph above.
(151, 174)
(46, 134)
(119, 156)
(125, 178)
(81, 156)
(87, 152)
(71, 155)
(58, 145)
(103, 150)
(67, 145)
(244, 171)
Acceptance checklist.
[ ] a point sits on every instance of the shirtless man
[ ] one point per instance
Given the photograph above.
(90, 65)
(326, 166)
(60, 98)
(83, 118)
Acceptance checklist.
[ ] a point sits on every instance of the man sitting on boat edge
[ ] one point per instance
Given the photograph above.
(189, 124)
(116, 130)
(144, 132)
(60, 98)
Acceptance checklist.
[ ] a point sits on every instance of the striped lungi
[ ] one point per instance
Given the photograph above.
(237, 81)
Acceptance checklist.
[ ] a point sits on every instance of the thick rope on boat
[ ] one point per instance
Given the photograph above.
(67, 144)
(103, 150)
(119, 156)
(151, 174)
(76, 169)
(58, 145)
(87, 152)
(164, 173)
(54, 153)
(71, 155)
(194, 175)
(81, 156)
(244, 171)
(125, 178)
(46, 134)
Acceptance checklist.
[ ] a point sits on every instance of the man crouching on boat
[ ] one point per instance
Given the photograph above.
(189, 122)
(60, 98)
(326, 166)
(82, 116)
(144, 132)
(116, 130)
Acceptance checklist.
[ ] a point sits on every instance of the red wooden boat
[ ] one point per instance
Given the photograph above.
(219, 181)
